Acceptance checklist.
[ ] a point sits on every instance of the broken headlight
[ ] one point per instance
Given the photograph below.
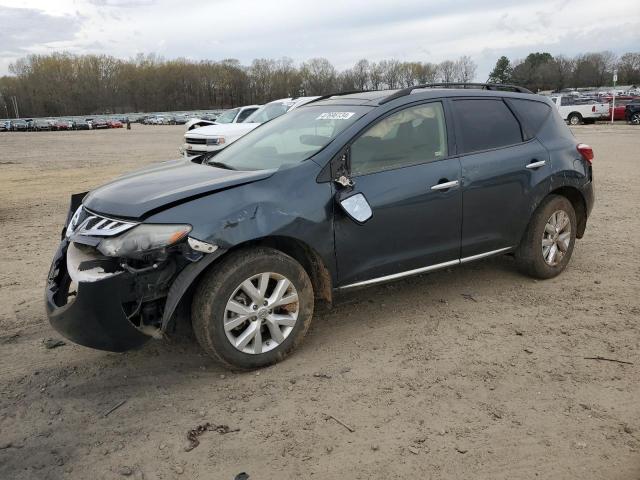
(143, 238)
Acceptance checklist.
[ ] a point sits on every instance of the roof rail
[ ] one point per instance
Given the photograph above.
(335, 94)
(484, 86)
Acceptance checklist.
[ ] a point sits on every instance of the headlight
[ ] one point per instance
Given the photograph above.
(215, 140)
(142, 238)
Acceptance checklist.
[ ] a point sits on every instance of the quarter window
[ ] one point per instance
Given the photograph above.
(412, 136)
(244, 114)
(532, 113)
(485, 124)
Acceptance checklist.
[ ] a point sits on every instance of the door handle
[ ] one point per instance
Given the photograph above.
(445, 185)
(537, 164)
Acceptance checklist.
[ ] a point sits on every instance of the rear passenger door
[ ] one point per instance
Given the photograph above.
(502, 167)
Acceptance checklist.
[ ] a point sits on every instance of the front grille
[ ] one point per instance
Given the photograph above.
(194, 153)
(197, 141)
(92, 224)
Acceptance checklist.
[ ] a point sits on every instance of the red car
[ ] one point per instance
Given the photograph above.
(62, 125)
(621, 103)
(118, 124)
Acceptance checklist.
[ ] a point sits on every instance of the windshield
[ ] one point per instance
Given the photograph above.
(289, 139)
(228, 116)
(268, 112)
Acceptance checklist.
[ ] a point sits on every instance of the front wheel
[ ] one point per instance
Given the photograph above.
(253, 308)
(635, 119)
(548, 242)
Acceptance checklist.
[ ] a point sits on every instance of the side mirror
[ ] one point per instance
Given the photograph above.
(357, 207)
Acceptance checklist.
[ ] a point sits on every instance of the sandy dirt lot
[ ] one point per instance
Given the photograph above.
(474, 372)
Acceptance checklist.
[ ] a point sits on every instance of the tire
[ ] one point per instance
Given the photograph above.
(635, 119)
(532, 255)
(223, 283)
(574, 118)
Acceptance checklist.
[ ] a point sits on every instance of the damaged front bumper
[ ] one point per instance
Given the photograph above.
(95, 315)
(107, 303)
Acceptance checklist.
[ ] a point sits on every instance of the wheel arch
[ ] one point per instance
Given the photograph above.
(579, 205)
(310, 260)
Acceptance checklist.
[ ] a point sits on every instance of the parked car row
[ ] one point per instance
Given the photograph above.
(577, 110)
(167, 119)
(42, 124)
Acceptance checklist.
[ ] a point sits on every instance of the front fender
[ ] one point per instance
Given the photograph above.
(290, 203)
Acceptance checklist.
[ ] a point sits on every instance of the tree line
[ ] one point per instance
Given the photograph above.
(542, 71)
(62, 84)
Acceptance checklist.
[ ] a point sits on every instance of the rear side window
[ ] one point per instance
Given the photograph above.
(485, 124)
(244, 114)
(532, 113)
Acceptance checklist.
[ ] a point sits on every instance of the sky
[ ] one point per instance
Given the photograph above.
(342, 31)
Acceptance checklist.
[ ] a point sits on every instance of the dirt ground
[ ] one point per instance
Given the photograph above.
(474, 372)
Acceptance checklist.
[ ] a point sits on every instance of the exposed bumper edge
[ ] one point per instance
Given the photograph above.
(95, 316)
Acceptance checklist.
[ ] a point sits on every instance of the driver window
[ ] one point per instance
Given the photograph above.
(412, 136)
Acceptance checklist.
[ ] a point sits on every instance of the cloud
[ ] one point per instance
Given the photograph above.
(23, 28)
(342, 31)
(122, 3)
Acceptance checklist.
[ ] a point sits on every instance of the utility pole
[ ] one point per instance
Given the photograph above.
(15, 106)
(613, 104)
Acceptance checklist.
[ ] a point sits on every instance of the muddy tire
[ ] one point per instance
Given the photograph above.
(253, 308)
(548, 242)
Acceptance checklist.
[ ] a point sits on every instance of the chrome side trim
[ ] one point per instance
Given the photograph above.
(430, 268)
(483, 255)
(408, 273)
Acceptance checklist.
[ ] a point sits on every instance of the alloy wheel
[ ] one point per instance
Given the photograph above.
(556, 238)
(261, 313)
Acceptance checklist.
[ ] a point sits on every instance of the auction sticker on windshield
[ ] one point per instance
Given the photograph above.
(335, 115)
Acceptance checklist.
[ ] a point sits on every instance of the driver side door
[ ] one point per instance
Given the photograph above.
(402, 166)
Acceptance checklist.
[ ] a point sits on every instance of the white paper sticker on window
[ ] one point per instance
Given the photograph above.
(335, 115)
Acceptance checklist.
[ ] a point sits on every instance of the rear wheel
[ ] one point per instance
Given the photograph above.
(253, 309)
(574, 119)
(547, 245)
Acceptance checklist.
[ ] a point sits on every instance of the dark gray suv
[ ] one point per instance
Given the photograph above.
(347, 191)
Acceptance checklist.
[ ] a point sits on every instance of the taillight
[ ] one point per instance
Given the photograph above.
(593, 109)
(586, 151)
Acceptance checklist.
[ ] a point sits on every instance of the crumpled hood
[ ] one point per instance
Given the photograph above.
(169, 183)
(222, 129)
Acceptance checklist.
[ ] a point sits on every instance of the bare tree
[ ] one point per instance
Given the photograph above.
(391, 72)
(446, 71)
(360, 74)
(319, 77)
(464, 70)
